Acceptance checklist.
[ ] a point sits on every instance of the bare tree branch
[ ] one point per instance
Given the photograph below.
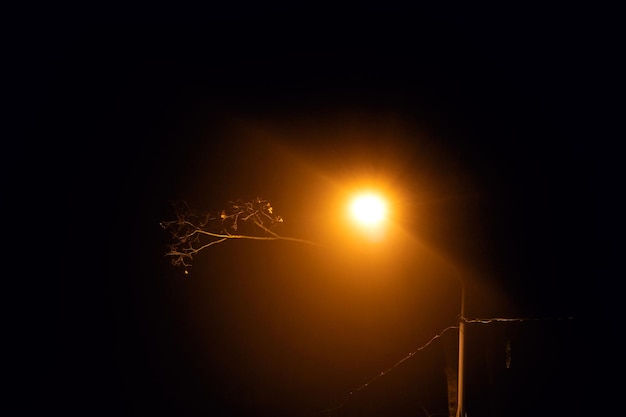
(192, 231)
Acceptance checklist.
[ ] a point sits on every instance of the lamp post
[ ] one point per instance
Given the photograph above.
(370, 210)
(460, 404)
(460, 391)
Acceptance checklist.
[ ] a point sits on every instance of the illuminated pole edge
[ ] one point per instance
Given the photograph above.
(460, 406)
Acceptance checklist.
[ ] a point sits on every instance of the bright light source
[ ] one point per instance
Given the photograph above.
(368, 209)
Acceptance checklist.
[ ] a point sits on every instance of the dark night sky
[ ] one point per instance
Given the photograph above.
(481, 144)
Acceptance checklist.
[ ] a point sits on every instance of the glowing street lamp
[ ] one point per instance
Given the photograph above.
(368, 209)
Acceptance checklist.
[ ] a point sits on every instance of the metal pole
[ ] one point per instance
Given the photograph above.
(460, 406)
(460, 392)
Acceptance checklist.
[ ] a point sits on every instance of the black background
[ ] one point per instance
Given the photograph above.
(486, 137)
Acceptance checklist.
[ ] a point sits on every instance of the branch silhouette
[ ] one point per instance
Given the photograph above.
(193, 231)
